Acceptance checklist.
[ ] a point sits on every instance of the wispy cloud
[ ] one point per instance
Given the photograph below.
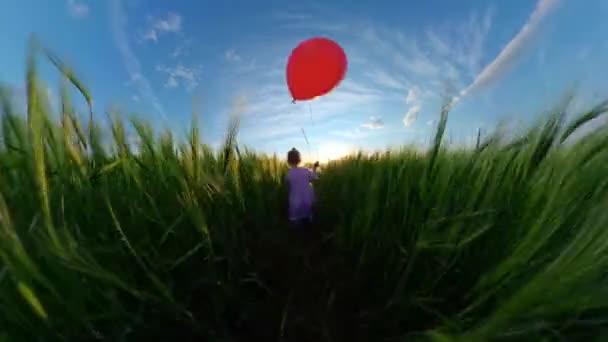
(373, 123)
(172, 22)
(180, 75)
(150, 35)
(316, 20)
(232, 56)
(512, 49)
(181, 49)
(449, 54)
(356, 133)
(411, 115)
(359, 134)
(405, 53)
(438, 43)
(119, 22)
(241, 64)
(419, 64)
(270, 113)
(394, 59)
(77, 9)
(462, 46)
(387, 67)
(240, 104)
(177, 52)
(385, 79)
(293, 16)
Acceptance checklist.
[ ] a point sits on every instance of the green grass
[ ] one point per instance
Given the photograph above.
(103, 240)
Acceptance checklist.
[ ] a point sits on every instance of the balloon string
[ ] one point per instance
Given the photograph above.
(303, 132)
(312, 124)
(310, 112)
(306, 139)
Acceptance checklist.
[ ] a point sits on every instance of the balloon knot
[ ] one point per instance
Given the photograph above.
(293, 101)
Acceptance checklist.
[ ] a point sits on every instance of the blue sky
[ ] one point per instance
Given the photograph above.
(502, 60)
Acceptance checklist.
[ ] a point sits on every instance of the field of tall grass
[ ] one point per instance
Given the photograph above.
(101, 240)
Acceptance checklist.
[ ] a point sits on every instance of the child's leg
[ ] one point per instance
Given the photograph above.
(295, 225)
(296, 231)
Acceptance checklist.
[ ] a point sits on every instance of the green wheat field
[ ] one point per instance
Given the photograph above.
(168, 240)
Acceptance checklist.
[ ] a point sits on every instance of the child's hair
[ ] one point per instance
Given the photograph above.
(293, 157)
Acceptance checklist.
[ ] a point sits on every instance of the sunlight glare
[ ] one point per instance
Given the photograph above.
(332, 151)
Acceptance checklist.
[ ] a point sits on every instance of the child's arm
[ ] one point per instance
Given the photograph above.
(313, 174)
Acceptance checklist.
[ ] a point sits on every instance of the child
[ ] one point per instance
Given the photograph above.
(301, 193)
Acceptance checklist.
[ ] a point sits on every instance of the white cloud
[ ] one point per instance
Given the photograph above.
(77, 9)
(135, 98)
(413, 99)
(151, 35)
(512, 49)
(430, 122)
(373, 123)
(412, 95)
(171, 82)
(171, 23)
(411, 115)
(232, 56)
(119, 21)
(178, 75)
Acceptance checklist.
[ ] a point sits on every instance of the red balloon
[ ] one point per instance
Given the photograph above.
(315, 67)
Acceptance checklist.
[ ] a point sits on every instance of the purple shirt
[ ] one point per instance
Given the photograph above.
(301, 193)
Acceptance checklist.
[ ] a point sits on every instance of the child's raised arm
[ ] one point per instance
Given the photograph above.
(313, 174)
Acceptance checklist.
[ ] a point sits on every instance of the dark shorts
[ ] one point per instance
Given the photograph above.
(300, 223)
(300, 232)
